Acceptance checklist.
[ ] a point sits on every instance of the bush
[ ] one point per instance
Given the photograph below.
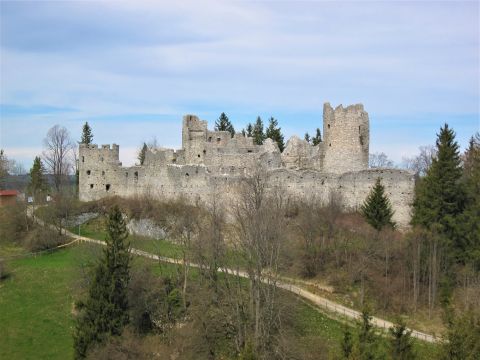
(3, 270)
(43, 238)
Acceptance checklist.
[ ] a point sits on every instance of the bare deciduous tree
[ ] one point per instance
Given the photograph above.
(420, 163)
(379, 160)
(58, 154)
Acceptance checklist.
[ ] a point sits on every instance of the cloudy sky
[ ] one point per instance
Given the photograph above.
(132, 69)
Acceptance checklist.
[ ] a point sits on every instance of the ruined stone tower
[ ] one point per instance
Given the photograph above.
(345, 138)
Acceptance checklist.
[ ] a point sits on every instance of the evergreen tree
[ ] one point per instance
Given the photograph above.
(367, 342)
(142, 153)
(307, 137)
(224, 124)
(87, 135)
(244, 133)
(317, 139)
(275, 133)
(38, 182)
(439, 196)
(347, 343)
(257, 132)
(377, 209)
(105, 312)
(401, 343)
(249, 130)
(469, 232)
(462, 340)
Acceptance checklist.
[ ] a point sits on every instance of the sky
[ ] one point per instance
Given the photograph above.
(132, 69)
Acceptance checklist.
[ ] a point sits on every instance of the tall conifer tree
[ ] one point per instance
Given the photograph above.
(37, 177)
(257, 132)
(439, 196)
(317, 139)
(377, 208)
(275, 133)
(224, 124)
(142, 153)
(105, 312)
(87, 136)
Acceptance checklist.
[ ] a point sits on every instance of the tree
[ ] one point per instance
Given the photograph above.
(379, 160)
(317, 139)
(249, 130)
(274, 132)
(469, 220)
(422, 162)
(257, 132)
(307, 137)
(58, 154)
(377, 209)
(367, 342)
(142, 153)
(347, 343)
(38, 182)
(87, 135)
(224, 124)
(105, 312)
(401, 343)
(439, 196)
(462, 340)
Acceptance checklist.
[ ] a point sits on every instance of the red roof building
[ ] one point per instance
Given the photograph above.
(8, 197)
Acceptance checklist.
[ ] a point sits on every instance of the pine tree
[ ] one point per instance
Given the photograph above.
(275, 133)
(224, 124)
(317, 139)
(87, 135)
(142, 153)
(469, 231)
(307, 137)
(377, 209)
(367, 342)
(105, 312)
(439, 196)
(257, 132)
(249, 130)
(37, 177)
(401, 343)
(347, 343)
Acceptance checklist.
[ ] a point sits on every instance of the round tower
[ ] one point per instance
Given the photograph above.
(345, 138)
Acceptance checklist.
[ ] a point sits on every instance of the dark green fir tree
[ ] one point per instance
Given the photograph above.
(87, 136)
(377, 209)
(401, 343)
(317, 139)
(38, 183)
(275, 133)
(224, 124)
(105, 311)
(257, 132)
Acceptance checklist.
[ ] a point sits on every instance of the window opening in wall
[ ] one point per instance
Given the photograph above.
(83, 158)
(210, 139)
(101, 158)
(136, 175)
(107, 187)
(330, 144)
(88, 172)
(91, 186)
(204, 152)
(103, 173)
(249, 151)
(174, 160)
(328, 126)
(126, 174)
(218, 140)
(187, 174)
(359, 128)
(198, 155)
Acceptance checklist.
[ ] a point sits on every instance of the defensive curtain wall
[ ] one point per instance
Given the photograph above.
(213, 162)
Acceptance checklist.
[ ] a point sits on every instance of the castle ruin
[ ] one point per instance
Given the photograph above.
(212, 162)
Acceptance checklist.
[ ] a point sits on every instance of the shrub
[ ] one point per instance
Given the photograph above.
(43, 238)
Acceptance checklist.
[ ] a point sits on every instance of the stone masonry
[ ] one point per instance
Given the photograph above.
(212, 162)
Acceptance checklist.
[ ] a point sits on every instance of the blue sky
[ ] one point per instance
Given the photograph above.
(132, 69)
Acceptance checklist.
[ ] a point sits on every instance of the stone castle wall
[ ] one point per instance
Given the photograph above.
(212, 163)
